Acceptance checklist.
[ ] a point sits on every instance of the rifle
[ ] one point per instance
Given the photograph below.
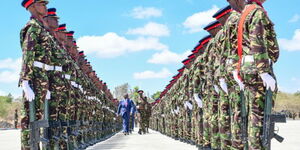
(269, 122)
(244, 117)
(35, 137)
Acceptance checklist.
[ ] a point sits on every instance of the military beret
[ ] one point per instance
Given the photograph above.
(212, 25)
(75, 43)
(197, 48)
(181, 69)
(205, 40)
(52, 12)
(62, 28)
(70, 33)
(191, 56)
(186, 61)
(27, 3)
(222, 12)
(81, 53)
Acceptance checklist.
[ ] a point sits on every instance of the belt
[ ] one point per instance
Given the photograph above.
(74, 84)
(67, 76)
(46, 67)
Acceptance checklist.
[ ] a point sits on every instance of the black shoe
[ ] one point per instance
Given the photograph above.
(140, 132)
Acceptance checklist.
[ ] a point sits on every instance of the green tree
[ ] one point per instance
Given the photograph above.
(156, 95)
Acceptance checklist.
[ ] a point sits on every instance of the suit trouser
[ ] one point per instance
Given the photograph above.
(125, 123)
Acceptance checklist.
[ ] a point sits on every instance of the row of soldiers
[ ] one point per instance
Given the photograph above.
(222, 97)
(66, 106)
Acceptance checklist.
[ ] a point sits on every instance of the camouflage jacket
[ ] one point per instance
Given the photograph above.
(260, 47)
(35, 41)
(219, 50)
(230, 56)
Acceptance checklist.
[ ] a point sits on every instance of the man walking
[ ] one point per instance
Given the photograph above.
(124, 110)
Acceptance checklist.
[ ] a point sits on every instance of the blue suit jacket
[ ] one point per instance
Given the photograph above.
(123, 109)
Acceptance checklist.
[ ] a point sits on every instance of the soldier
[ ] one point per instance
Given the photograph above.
(210, 94)
(223, 104)
(141, 110)
(148, 109)
(197, 80)
(257, 50)
(34, 79)
(234, 86)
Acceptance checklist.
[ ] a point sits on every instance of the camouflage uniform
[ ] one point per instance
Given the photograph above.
(223, 105)
(141, 104)
(207, 104)
(261, 45)
(57, 86)
(35, 45)
(230, 60)
(197, 89)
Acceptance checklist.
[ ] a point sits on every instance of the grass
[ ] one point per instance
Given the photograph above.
(286, 101)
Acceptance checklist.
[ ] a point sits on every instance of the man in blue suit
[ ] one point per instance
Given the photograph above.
(124, 110)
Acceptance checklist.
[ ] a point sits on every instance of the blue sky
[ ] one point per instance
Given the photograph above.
(143, 42)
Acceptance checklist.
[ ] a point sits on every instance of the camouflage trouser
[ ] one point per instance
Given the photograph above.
(175, 126)
(224, 120)
(142, 120)
(180, 125)
(39, 84)
(200, 126)
(187, 125)
(57, 87)
(235, 114)
(255, 97)
(206, 119)
(195, 129)
(213, 120)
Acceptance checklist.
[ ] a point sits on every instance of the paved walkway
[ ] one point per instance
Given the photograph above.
(10, 140)
(151, 141)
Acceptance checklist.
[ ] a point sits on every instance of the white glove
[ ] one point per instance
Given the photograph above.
(189, 105)
(268, 80)
(48, 96)
(239, 82)
(216, 89)
(223, 85)
(29, 94)
(185, 106)
(198, 100)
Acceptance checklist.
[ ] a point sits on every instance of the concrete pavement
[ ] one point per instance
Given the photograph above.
(10, 140)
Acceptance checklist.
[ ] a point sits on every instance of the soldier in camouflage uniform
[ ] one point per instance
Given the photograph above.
(223, 104)
(210, 94)
(259, 52)
(141, 104)
(148, 110)
(198, 110)
(34, 80)
(56, 81)
(230, 60)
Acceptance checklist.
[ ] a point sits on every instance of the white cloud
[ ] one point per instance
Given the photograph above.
(151, 29)
(9, 70)
(197, 21)
(145, 12)
(168, 57)
(164, 73)
(112, 45)
(293, 44)
(295, 18)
